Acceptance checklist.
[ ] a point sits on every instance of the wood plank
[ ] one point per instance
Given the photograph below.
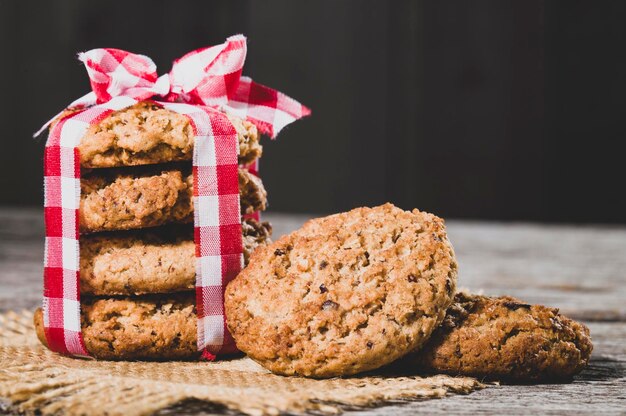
(581, 270)
(599, 389)
(21, 258)
(578, 269)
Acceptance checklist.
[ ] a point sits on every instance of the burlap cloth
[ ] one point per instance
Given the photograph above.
(34, 380)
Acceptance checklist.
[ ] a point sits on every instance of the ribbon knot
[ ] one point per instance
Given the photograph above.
(209, 76)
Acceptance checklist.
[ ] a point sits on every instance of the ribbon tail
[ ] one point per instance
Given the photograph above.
(268, 109)
(86, 100)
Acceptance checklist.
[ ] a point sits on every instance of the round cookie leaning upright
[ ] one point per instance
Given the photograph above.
(344, 294)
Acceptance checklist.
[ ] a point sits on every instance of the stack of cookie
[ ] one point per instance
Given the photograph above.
(137, 251)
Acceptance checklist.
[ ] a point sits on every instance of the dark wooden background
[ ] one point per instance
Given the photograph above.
(483, 109)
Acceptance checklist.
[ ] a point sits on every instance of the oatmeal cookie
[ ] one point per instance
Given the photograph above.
(146, 134)
(344, 294)
(157, 260)
(123, 199)
(152, 328)
(506, 339)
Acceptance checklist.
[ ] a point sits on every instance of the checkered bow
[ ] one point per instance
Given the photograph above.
(203, 85)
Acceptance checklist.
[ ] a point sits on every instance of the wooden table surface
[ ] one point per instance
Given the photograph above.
(581, 270)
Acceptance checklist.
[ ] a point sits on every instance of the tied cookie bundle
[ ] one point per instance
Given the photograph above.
(152, 198)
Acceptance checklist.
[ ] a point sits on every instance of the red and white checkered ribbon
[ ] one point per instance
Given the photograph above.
(201, 85)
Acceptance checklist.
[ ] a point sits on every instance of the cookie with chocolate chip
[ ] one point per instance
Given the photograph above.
(147, 134)
(136, 328)
(503, 338)
(150, 196)
(153, 260)
(344, 294)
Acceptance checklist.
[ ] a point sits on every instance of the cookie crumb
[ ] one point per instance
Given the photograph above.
(515, 305)
(329, 305)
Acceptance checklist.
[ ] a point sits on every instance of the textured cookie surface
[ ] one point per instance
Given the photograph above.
(504, 338)
(158, 260)
(139, 328)
(123, 199)
(147, 134)
(346, 293)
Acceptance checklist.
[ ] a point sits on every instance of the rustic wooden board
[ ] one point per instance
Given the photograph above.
(581, 270)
